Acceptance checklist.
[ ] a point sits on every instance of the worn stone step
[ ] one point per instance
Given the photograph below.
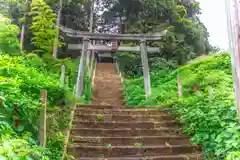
(148, 107)
(110, 117)
(109, 84)
(126, 151)
(91, 106)
(105, 98)
(194, 156)
(130, 141)
(125, 132)
(113, 125)
(121, 111)
(107, 95)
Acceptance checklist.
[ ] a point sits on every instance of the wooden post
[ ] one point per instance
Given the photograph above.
(88, 61)
(94, 73)
(211, 92)
(91, 65)
(62, 79)
(55, 44)
(119, 72)
(67, 81)
(43, 117)
(179, 81)
(80, 78)
(144, 58)
(233, 25)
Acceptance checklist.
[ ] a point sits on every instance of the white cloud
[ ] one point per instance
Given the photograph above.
(214, 18)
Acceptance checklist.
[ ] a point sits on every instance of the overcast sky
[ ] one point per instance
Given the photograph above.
(214, 18)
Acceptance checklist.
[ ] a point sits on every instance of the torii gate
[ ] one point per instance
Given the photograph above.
(87, 36)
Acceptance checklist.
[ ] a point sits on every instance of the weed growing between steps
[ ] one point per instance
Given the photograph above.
(210, 121)
(21, 80)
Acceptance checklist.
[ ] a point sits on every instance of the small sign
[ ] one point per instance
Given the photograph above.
(115, 46)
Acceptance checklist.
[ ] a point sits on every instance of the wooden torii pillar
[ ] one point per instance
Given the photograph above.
(145, 66)
(104, 36)
(81, 69)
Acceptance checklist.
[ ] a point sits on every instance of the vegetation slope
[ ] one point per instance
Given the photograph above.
(209, 118)
(21, 80)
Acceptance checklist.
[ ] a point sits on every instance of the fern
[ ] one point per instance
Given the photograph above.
(43, 27)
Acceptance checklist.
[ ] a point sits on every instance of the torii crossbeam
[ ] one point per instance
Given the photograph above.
(107, 36)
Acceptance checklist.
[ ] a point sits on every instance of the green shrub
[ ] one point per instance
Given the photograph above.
(14, 147)
(21, 80)
(211, 122)
(9, 42)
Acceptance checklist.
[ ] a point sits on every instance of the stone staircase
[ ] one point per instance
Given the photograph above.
(115, 132)
(107, 90)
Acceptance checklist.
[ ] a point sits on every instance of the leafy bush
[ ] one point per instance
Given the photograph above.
(131, 65)
(22, 85)
(210, 121)
(21, 80)
(233, 156)
(9, 42)
(14, 147)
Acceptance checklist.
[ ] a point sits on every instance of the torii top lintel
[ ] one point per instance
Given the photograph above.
(106, 36)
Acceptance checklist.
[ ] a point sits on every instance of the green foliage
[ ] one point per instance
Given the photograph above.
(9, 42)
(56, 143)
(138, 144)
(100, 117)
(43, 27)
(233, 156)
(211, 122)
(21, 81)
(14, 147)
(131, 65)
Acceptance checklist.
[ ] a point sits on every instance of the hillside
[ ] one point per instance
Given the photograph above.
(21, 80)
(211, 121)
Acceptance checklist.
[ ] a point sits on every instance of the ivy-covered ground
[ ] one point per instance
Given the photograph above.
(21, 80)
(210, 121)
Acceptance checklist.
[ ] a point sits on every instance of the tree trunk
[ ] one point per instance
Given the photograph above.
(23, 30)
(22, 37)
(55, 45)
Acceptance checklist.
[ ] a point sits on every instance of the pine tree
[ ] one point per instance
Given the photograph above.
(43, 27)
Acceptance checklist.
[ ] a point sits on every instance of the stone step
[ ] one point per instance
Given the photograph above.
(91, 106)
(130, 141)
(121, 111)
(194, 156)
(106, 97)
(125, 132)
(128, 118)
(126, 151)
(113, 125)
